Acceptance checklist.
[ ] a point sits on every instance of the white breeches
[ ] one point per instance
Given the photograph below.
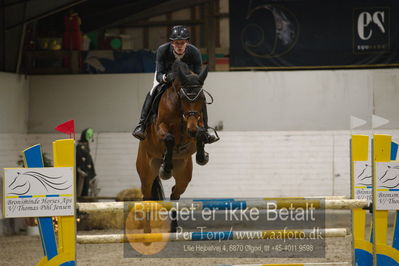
(155, 84)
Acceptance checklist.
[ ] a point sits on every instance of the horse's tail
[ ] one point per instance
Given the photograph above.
(157, 190)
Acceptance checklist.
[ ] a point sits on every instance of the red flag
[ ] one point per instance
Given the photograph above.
(68, 128)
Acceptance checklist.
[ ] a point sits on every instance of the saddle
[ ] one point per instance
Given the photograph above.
(159, 90)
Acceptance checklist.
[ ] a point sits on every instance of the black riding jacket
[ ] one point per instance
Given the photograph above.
(165, 59)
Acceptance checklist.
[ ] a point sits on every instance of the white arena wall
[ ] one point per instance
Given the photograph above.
(244, 101)
(14, 103)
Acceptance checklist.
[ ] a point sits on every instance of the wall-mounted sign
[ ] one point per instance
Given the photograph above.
(309, 34)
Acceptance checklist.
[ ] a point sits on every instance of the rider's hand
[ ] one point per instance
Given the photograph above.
(169, 77)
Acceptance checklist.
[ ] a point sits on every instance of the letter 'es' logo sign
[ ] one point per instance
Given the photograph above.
(371, 30)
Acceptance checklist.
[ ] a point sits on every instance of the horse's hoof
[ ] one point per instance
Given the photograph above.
(202, 159)
(164, 174)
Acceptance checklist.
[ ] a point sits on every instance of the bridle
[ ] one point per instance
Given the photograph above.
(187, 94)
(192, 96)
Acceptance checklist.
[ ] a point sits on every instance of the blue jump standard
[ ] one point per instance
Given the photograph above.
(34, 159)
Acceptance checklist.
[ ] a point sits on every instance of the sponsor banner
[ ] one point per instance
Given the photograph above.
(38, 192)
(280, 34)
(363, 181)
(387, 182)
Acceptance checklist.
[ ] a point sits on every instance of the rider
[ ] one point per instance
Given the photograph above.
(178, 48)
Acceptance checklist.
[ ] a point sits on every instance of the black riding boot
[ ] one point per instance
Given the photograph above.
(139, 131)
(209, 138)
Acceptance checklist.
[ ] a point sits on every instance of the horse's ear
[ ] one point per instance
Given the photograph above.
(203, 74)
(182, 77)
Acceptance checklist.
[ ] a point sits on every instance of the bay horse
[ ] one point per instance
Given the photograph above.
(173, 137)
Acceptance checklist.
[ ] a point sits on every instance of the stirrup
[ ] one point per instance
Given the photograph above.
(211, 138)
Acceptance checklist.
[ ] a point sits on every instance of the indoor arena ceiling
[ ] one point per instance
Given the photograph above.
(95, 14)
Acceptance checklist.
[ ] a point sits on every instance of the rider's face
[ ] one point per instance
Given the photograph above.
(179, 46)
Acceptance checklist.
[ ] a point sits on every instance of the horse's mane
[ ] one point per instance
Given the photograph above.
(183, 66)
(190, 77)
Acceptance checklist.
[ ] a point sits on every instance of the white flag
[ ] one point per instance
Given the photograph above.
(357, 122)
(378, 121)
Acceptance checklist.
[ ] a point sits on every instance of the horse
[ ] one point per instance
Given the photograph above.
(176, 133)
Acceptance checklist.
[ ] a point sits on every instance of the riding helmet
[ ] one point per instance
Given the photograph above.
(179, 32)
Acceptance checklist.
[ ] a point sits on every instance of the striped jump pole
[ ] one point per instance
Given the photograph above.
(198, 205)
(296, 264)
(211, 236)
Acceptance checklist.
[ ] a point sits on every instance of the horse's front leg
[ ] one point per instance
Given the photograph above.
(165, 171)
(182, 174)
(202, 157)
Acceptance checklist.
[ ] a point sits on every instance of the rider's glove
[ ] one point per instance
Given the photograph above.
(168, 77)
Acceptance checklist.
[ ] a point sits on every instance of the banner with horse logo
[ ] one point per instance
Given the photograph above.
(38, 192)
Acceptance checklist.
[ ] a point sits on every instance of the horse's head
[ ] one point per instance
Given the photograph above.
(192, 98)
(19, 183)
